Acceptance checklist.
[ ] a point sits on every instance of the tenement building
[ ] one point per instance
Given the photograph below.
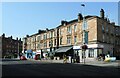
(10, 48)
(103, 38)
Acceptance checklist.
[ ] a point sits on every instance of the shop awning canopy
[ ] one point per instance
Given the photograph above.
(62, 49)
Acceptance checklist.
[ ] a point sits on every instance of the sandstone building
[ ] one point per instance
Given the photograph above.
(103, 38)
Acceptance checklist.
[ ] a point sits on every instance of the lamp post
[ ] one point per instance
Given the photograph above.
(84, 35)
(18, 50)
(84, 47)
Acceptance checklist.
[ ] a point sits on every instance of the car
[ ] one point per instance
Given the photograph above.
(23, 58)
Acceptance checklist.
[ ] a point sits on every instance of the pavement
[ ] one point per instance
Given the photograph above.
(87, 62)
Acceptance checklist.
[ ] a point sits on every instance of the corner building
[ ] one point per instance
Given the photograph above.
(67, 38)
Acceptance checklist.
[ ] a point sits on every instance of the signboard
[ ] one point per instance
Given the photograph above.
(76, 47)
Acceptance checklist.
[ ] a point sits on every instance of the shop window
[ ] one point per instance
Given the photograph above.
(91, 53)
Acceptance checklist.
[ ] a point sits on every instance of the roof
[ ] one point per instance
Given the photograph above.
(76, 20)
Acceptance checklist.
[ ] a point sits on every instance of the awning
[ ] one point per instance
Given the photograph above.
(62, 49)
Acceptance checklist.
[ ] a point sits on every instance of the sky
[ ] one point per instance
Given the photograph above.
(22, 18)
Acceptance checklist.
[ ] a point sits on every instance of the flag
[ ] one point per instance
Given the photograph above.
(82, 5)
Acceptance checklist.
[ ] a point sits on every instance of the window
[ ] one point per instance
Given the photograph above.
(34, 46)
(107, 39)
(38, 38)
(55, 42)
(102, 28)
(106, 28)
(45, 36)
(33, 38)
(91, 53)
(68, 40)
(111, 31)
(55, 33)
(51, 43)
(38, 46)
(60, 32)
(111, 40)
(75, 39)
(48, 35)
(51, 34)
(75, 28)
(45, 44)
(69, 29)
(103, 37)
(60, 40)
(41, 44)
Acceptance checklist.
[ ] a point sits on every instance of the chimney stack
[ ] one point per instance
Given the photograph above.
(113, 23)
(3, 35)
(47, 29)
(17, 38)
(64, 23)
(27, 35)
(20, 39)
(11, 37)
(102, 13)
(80, 17)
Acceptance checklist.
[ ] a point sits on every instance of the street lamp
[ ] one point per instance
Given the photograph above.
(84, 35)
(18, 50)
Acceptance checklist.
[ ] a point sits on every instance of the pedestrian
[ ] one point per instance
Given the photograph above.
(64, 58)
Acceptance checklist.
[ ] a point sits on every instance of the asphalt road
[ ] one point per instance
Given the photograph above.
(16, 68)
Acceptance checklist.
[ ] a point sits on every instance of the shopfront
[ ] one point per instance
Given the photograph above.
(65, 50)
(91, 53)
(29, 54)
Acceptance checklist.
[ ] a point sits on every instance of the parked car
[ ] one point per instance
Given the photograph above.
(23, 58)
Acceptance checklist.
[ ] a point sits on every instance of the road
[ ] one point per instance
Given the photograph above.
(17, 68)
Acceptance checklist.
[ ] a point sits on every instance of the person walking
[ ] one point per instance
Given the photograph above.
(64, 58)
